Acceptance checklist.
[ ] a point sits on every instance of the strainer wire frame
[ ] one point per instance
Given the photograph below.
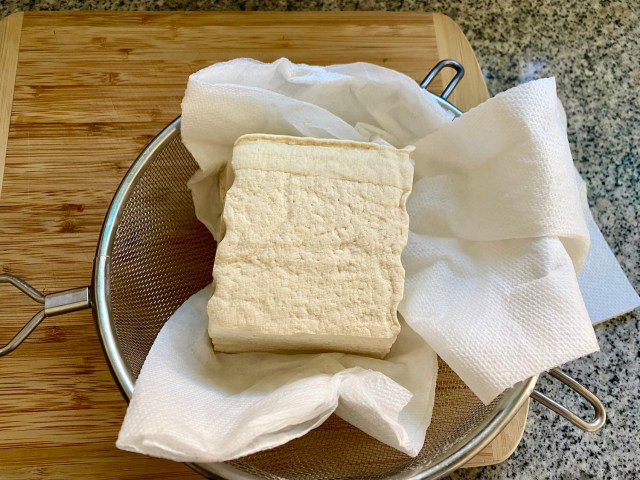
(508, 405)
(98, 298)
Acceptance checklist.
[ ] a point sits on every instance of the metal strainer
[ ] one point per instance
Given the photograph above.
(153, 254)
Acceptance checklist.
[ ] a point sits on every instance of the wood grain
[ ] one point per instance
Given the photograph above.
(505, 443)
(91, 89)
(10, 30)
(455, 46)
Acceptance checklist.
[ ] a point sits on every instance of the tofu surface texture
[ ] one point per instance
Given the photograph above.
(310, 258)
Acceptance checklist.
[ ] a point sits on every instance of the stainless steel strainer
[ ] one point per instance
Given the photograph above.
(153, 254)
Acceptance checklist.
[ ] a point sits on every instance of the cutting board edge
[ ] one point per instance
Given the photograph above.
(446, 26)
(453, 44)
(505, 442)
(10, 33)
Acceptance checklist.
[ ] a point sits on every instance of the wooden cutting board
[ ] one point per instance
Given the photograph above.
(80, 95)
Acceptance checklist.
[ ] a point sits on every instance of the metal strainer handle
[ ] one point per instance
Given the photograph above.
(54, 304)
(600, 414)
(441, 65)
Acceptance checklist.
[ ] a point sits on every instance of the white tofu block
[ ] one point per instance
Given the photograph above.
(310, 259)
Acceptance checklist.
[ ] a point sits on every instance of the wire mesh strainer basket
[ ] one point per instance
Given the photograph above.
(153, 254)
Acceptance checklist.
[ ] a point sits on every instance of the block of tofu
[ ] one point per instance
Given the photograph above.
(310, 258)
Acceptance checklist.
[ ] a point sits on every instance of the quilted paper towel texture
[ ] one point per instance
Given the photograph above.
(495, 218)
(605, 288)
(191, 404)
(481, 276)
(182, 407)
(497, 234)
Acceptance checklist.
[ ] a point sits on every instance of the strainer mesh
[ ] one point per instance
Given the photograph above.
(162, 255)
(338, 450)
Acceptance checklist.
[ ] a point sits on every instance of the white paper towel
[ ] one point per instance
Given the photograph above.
(606, 291)
(496, 236)
(358, 101)
(191, 404)
(605, 288)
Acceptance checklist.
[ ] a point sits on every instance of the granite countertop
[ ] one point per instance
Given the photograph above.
(592, 49)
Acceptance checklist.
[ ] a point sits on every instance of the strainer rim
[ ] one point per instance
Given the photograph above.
(509, 404)
(102, 264)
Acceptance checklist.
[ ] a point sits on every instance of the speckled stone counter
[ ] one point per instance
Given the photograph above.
(593, 50)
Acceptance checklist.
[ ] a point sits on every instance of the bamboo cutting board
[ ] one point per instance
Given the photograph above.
(80, 96)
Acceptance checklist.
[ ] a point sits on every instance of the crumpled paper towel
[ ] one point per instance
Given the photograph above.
(497, 234)
(192, 404)
(506, 288)
(357, 101)
(499, 228)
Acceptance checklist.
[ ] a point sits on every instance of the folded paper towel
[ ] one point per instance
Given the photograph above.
(497, 234)
(502, 285)
(606, 291)
(499, 180)
(193, 405)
